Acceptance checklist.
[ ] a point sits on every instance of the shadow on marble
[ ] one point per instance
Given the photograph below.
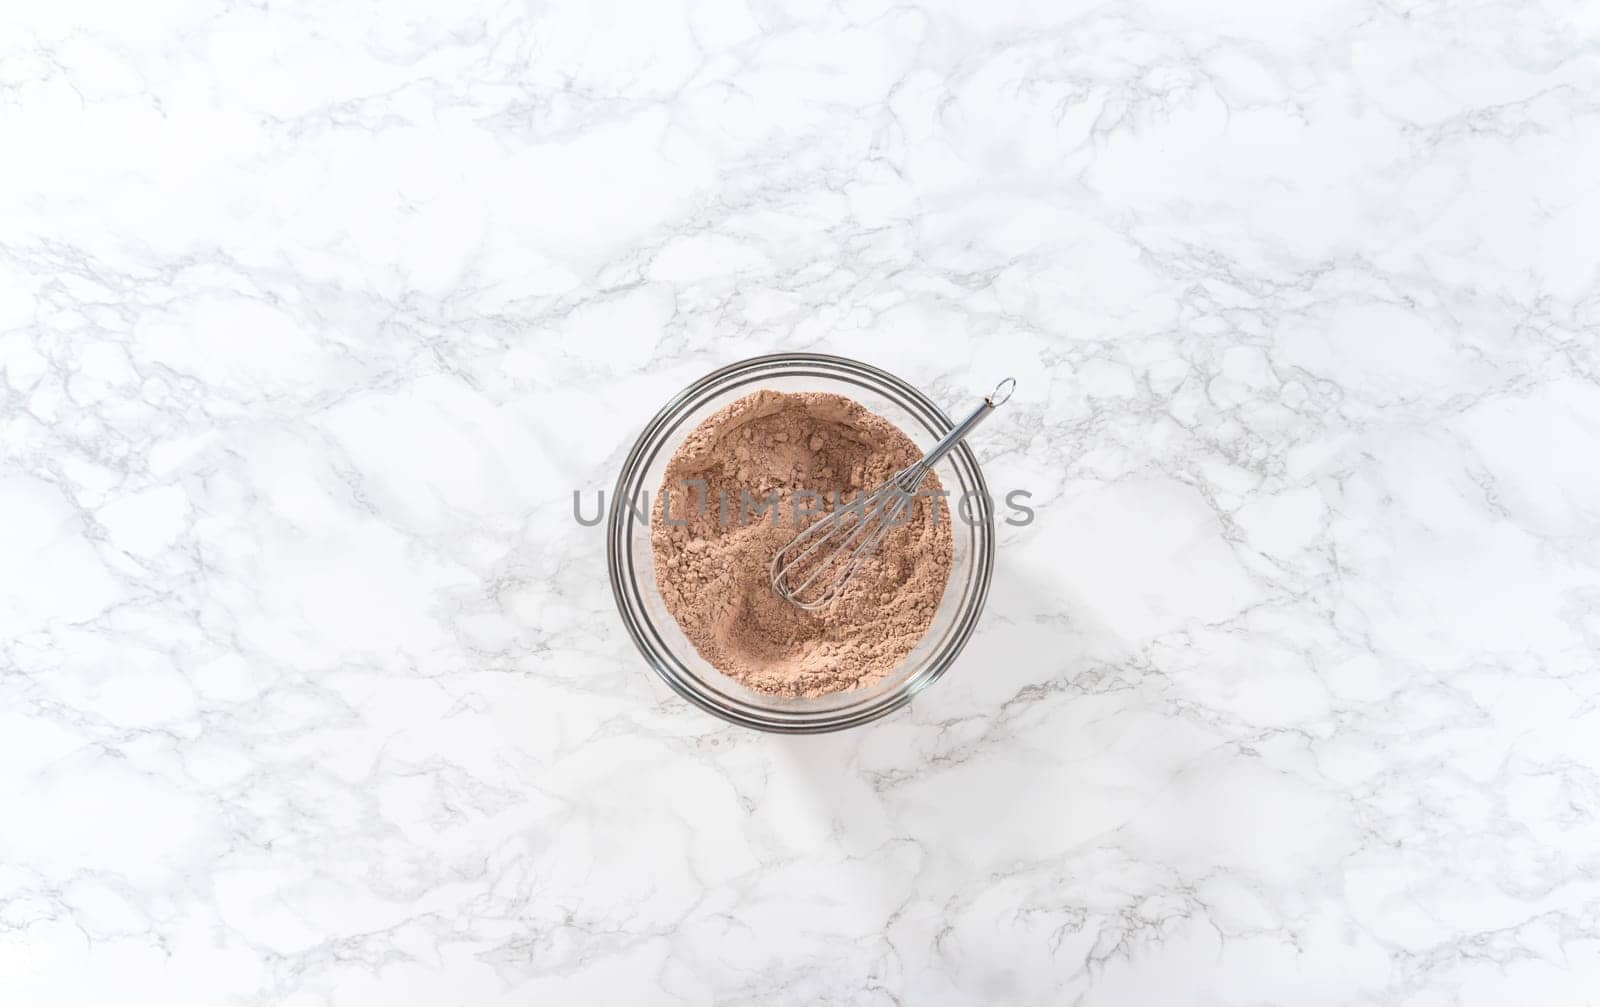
(1022, 659)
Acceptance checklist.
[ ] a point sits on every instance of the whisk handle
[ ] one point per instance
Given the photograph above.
(993, 401)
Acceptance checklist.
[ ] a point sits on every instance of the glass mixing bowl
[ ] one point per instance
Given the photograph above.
(656, 632)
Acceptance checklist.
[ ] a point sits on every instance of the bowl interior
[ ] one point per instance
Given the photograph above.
(657, 632)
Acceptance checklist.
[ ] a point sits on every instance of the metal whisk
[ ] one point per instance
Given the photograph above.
(816, 564)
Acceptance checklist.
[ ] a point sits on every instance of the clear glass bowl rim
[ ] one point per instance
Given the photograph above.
(620, 521)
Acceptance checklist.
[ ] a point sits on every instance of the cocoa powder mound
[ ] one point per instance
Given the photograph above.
(713, 571)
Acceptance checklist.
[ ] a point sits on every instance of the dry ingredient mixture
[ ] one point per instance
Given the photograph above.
(714, 573)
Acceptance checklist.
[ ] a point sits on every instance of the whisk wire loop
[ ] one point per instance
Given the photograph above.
(863, 523)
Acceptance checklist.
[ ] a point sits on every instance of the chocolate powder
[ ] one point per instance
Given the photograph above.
(714, 574)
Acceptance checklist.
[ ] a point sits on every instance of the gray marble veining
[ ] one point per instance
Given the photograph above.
(312, 316)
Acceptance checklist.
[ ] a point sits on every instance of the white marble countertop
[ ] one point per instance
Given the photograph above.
(313, 316)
